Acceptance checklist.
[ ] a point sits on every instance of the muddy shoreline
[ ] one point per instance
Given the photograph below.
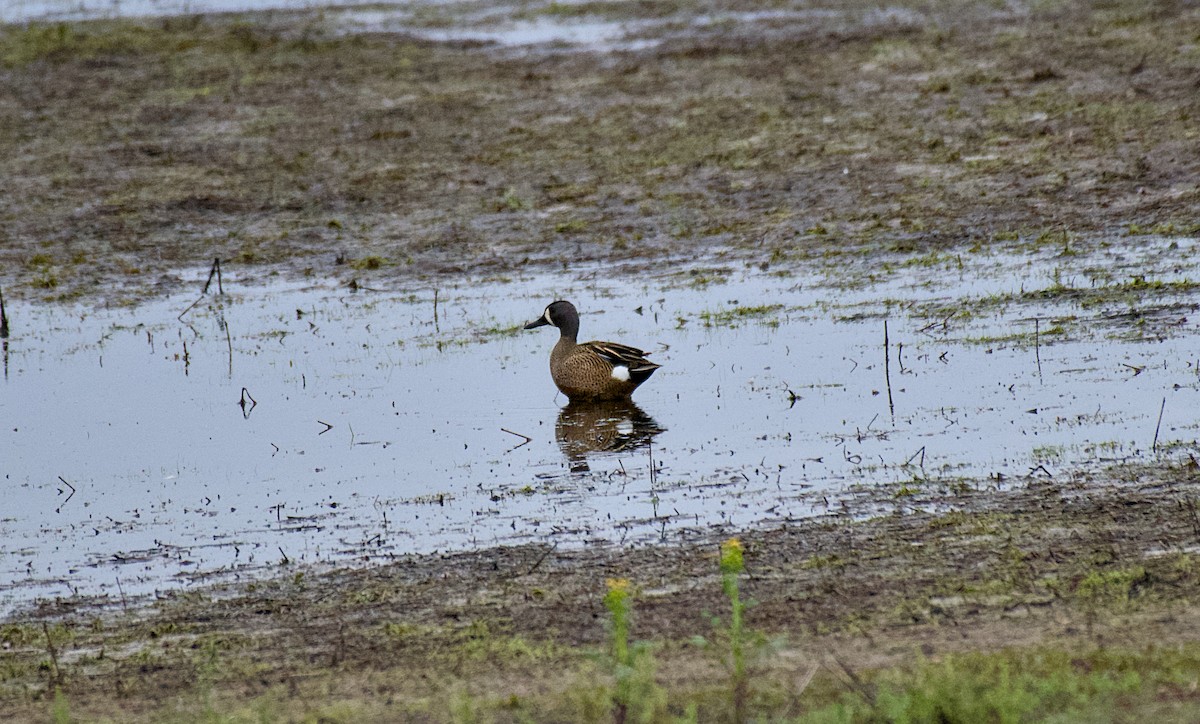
(139, 148)
(853, 141)
(1080, 561)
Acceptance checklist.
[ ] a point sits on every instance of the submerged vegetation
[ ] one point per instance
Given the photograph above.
(762, 313)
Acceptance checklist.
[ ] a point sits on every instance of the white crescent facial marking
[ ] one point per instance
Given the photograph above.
(620, 372)
(546, 316)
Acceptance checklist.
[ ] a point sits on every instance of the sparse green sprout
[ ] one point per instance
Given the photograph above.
(395, 630)
(764, 313)
(369, 262)
(1114, 589)
(733, 564)
(512, 201)
(1055, 237)
(732, 560)
(46, 280)
(636, 696)
(617, 603)
(571, 226)
(61, 710)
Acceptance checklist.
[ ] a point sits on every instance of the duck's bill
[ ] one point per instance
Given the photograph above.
(539, 322)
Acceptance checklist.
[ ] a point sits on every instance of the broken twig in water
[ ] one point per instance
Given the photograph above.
(650, 452)
(920, 452)
(242, 403)
(887, 368)
(510, 432)
(792, 396)
(124, 605)
(215, 269)
(328, 427)
(228, 342)
(3, 318)
(60, 492)
(1157, 425)
(1037, 344)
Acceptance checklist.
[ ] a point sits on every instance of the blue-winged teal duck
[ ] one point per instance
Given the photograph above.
(593, 370)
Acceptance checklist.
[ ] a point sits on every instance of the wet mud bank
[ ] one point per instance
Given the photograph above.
(1078, 562)
(775, 137)
(923, 282)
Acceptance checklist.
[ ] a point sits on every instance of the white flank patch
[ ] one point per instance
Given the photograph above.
(620, 372)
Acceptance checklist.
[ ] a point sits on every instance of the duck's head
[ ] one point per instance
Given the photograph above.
(559, 314)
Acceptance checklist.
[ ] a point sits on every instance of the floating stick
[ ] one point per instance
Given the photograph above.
(1037, 344)
(1157, 425)
(887, 369)
(60, 492)
(920, 452)
(124, 606)
(510, 432)
(228, 342)
(215, 269)
(650, 450)
(253, 404)
(3, 318)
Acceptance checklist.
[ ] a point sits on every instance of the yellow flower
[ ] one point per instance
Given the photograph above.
(618, 590)
(618, 584)
(731, 556)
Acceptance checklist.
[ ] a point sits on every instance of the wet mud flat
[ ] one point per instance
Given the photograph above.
(1008, 190)
(776, 136)
(1099, 569)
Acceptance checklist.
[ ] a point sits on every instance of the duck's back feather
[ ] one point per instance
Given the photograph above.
(622, 354)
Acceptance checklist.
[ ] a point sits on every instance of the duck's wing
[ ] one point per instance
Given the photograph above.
(622, 354)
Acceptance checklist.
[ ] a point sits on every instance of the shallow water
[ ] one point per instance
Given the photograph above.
(518, 26)
(384, 424)
(20, 11)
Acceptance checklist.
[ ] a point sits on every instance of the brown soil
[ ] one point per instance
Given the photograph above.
(135, 151)
(1084, 561)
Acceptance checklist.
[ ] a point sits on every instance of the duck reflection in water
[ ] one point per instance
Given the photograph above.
(596, 428)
